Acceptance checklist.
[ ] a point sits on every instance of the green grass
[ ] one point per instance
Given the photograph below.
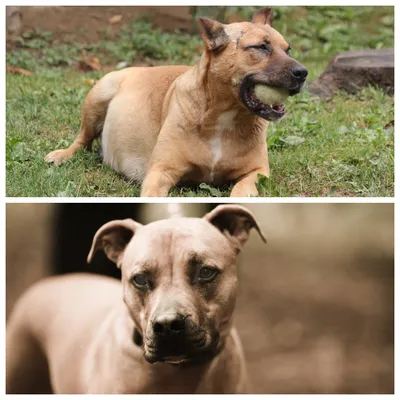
(338, 147)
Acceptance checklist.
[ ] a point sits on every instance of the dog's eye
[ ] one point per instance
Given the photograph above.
(263, 47)
(140, 280)
(207, 274)
(288, 50)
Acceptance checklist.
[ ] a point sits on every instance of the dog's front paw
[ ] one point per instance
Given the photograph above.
(244, 192)
(57, 157)
(151, 192)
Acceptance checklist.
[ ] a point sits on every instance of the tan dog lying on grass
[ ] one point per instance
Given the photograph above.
(206, 123)
(166, 328)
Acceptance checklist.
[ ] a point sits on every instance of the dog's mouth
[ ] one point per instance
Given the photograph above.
(270, 112)
(155, 357)
(160, 357)
(183, 351)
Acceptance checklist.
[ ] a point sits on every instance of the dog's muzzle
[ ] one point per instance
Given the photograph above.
(292, 80)
(176, 339)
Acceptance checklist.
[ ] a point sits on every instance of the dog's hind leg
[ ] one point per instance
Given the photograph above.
(93, 115)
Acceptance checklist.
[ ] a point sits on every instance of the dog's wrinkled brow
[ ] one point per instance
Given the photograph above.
(196, 259)
(145, 266)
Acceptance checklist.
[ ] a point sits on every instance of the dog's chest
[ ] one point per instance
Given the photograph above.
(225, 124)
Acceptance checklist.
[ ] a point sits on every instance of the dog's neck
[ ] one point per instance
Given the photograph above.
(219, 99)
(218, 92)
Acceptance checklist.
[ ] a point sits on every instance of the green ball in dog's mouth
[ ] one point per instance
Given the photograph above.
(265, 101)
(270, 95)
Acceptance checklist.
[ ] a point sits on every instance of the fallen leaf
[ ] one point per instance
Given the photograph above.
(115, 19)
(90, 82)
(343, 129)
(89, 64)
(122, 64)
(18, 71)
(293, 140)
(389, 125)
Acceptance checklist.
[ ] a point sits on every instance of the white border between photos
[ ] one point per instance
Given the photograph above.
(4, 200)
(162, 200)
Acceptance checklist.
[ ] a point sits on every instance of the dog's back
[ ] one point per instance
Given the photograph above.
(45, 321)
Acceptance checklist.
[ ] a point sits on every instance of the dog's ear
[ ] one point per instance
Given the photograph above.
(265, 16)
(214, 35)
(235, 223)
(112, 238)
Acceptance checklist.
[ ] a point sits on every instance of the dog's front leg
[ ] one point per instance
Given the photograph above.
(246, 185)
(168, 164)
(159, 180)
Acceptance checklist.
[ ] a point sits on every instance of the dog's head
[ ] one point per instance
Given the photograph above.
(179, 279)
(243, 55)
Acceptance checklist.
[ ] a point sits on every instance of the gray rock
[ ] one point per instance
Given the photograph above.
(353, 70)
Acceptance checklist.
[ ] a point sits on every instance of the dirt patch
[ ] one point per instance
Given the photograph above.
(89, 24)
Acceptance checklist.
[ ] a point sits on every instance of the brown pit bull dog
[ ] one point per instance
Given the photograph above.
(171, 124)
(166, 328)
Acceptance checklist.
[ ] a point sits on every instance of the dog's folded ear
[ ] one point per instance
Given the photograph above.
(214, 35)
(265, 16)
(235, 222)
(112, 238)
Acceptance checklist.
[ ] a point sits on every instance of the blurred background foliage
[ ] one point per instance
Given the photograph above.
(317, 32)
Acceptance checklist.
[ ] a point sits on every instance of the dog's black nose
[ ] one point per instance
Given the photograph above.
(169, 324)
(299, 72)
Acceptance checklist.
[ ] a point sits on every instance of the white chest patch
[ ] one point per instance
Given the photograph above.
(225, 122)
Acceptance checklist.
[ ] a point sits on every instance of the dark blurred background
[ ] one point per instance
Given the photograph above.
(315, 309)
